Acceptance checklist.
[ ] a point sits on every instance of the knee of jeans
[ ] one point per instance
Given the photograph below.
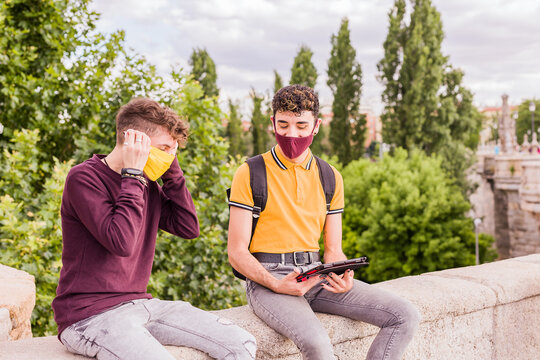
(409, 315)
(243, 344)
(317, 345)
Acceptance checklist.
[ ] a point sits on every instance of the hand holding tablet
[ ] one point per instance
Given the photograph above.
(337, 267)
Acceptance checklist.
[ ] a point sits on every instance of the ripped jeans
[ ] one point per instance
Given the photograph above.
(138, 329)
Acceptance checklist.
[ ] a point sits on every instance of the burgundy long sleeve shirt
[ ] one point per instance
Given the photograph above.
(109, 229)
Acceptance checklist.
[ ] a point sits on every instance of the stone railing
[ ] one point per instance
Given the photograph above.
(488, 311)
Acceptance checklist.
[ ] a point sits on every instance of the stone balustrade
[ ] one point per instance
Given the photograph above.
(488, 311)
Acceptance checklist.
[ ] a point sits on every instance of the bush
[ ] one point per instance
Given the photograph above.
(30, 227)
(406, 215)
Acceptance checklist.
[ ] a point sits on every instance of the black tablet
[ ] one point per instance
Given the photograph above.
(337, 267)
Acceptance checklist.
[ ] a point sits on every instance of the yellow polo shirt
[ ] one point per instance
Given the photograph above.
(295, 208)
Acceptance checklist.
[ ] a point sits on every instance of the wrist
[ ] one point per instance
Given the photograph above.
(273, 284)
(131, 172)
(135, 174)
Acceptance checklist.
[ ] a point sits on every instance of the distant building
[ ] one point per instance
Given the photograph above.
(373, 122)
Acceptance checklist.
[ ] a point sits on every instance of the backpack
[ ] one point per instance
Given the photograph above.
(259, 190)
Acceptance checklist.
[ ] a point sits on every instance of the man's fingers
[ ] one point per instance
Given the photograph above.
(337, 283)
(329, 288)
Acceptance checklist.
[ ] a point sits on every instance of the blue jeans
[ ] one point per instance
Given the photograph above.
(294, 317)
(137, 329)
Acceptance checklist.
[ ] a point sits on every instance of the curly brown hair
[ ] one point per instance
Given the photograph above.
(296, 99)
(144, 114)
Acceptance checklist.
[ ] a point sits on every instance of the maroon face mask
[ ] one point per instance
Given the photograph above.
(293, 147)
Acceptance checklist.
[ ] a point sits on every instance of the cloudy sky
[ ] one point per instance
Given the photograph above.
(496, 43)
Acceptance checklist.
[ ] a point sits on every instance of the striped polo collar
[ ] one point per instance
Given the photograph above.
(285, 164)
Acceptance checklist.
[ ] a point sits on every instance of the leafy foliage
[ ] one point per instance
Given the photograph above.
(259, 124)
(426, 105)
(30, 229)
(303, 71)
(56, 74)
(235, 133)
(348, 126)
(203, 70)
(278, 82)
(408, 217)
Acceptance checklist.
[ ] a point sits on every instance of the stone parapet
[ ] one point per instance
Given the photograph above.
(17, 297)
(508, 171)
(488, 311)
(529, 191)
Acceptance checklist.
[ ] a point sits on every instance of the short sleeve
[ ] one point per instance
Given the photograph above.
(338, 201)
(241, 195)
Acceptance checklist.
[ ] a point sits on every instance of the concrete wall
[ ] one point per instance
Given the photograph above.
(490, 311)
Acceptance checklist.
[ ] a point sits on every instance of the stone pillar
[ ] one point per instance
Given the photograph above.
(507, 178)
(17, 300)
(507, 128)
(529, 193)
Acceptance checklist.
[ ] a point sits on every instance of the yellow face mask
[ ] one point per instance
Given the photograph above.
(158, 162)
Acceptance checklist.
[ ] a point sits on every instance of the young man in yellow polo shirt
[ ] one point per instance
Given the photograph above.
(292, 221)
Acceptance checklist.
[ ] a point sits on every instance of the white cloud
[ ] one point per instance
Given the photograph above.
(494, 42)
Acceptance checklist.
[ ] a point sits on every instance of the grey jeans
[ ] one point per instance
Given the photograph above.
(294, 317)
(137, 329)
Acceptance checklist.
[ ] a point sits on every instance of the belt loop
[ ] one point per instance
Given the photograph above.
(310, 256)
(282, 258)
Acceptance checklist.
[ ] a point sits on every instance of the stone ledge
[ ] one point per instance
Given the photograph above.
(18, 296)
(473, 313)
(5, 324)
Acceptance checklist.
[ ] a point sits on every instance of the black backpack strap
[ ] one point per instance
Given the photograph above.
(257, 181)
(259, 190)
(328, 181)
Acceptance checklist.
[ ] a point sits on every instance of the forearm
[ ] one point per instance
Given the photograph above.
(331, 255)
(245, 263)
(332, 239)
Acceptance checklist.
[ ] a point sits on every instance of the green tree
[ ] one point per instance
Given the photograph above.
(203, 70)
(235, 132)
(426, 105)
(348, 126)
(524, 121)
(55, 71)
(303, 71)
(408, 217)
(278, 81)
(259, 124)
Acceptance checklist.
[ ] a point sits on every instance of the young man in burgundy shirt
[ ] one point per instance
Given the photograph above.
(112, 208)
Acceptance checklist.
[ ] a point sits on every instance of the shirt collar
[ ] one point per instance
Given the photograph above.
(285, 164)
